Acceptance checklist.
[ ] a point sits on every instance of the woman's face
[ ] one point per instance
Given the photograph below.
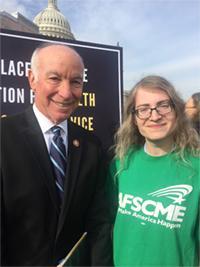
(157, 127)
(190, 109)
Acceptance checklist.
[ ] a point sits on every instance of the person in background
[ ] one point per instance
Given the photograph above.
(156, 176)
(52, 171)
(192, 109)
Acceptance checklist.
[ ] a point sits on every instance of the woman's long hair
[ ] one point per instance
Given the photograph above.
(128, 135)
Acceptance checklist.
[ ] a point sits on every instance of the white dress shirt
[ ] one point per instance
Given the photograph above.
(46, 125)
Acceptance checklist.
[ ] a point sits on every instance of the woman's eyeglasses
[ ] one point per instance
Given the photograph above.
(162, 108)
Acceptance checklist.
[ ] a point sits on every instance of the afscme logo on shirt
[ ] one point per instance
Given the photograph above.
(156, 209)
(175, 192)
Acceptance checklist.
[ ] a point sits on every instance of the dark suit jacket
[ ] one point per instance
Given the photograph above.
(34, 231)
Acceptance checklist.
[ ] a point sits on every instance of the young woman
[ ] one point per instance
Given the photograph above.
(156, 175)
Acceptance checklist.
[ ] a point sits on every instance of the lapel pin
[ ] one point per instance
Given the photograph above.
(76, 143)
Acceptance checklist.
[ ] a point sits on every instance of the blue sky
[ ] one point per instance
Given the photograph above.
(157, 36)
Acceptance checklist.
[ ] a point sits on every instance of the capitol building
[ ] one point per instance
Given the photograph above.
(50, 22)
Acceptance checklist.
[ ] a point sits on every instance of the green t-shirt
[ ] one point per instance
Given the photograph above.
(157, 222)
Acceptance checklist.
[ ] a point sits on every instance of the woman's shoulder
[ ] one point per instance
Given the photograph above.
(116, 162)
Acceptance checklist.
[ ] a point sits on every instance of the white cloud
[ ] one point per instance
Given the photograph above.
(183, 73)
(178, 65)
(12, 6)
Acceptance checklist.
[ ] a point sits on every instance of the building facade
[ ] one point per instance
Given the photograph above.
(17, 22)
(50, 22)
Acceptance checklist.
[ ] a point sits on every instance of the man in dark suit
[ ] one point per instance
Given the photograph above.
(42, 216)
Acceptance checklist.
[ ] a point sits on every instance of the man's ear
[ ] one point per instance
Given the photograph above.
(32, 80)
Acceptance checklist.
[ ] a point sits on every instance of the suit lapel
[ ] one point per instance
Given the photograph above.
(37, 145)
(75, 145)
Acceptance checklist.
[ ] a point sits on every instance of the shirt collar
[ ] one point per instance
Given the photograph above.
(45, 123)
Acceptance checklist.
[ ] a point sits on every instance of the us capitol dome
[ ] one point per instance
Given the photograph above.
(51, 22)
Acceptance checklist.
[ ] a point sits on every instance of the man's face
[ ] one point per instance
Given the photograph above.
(157, 127)
(58, 82)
